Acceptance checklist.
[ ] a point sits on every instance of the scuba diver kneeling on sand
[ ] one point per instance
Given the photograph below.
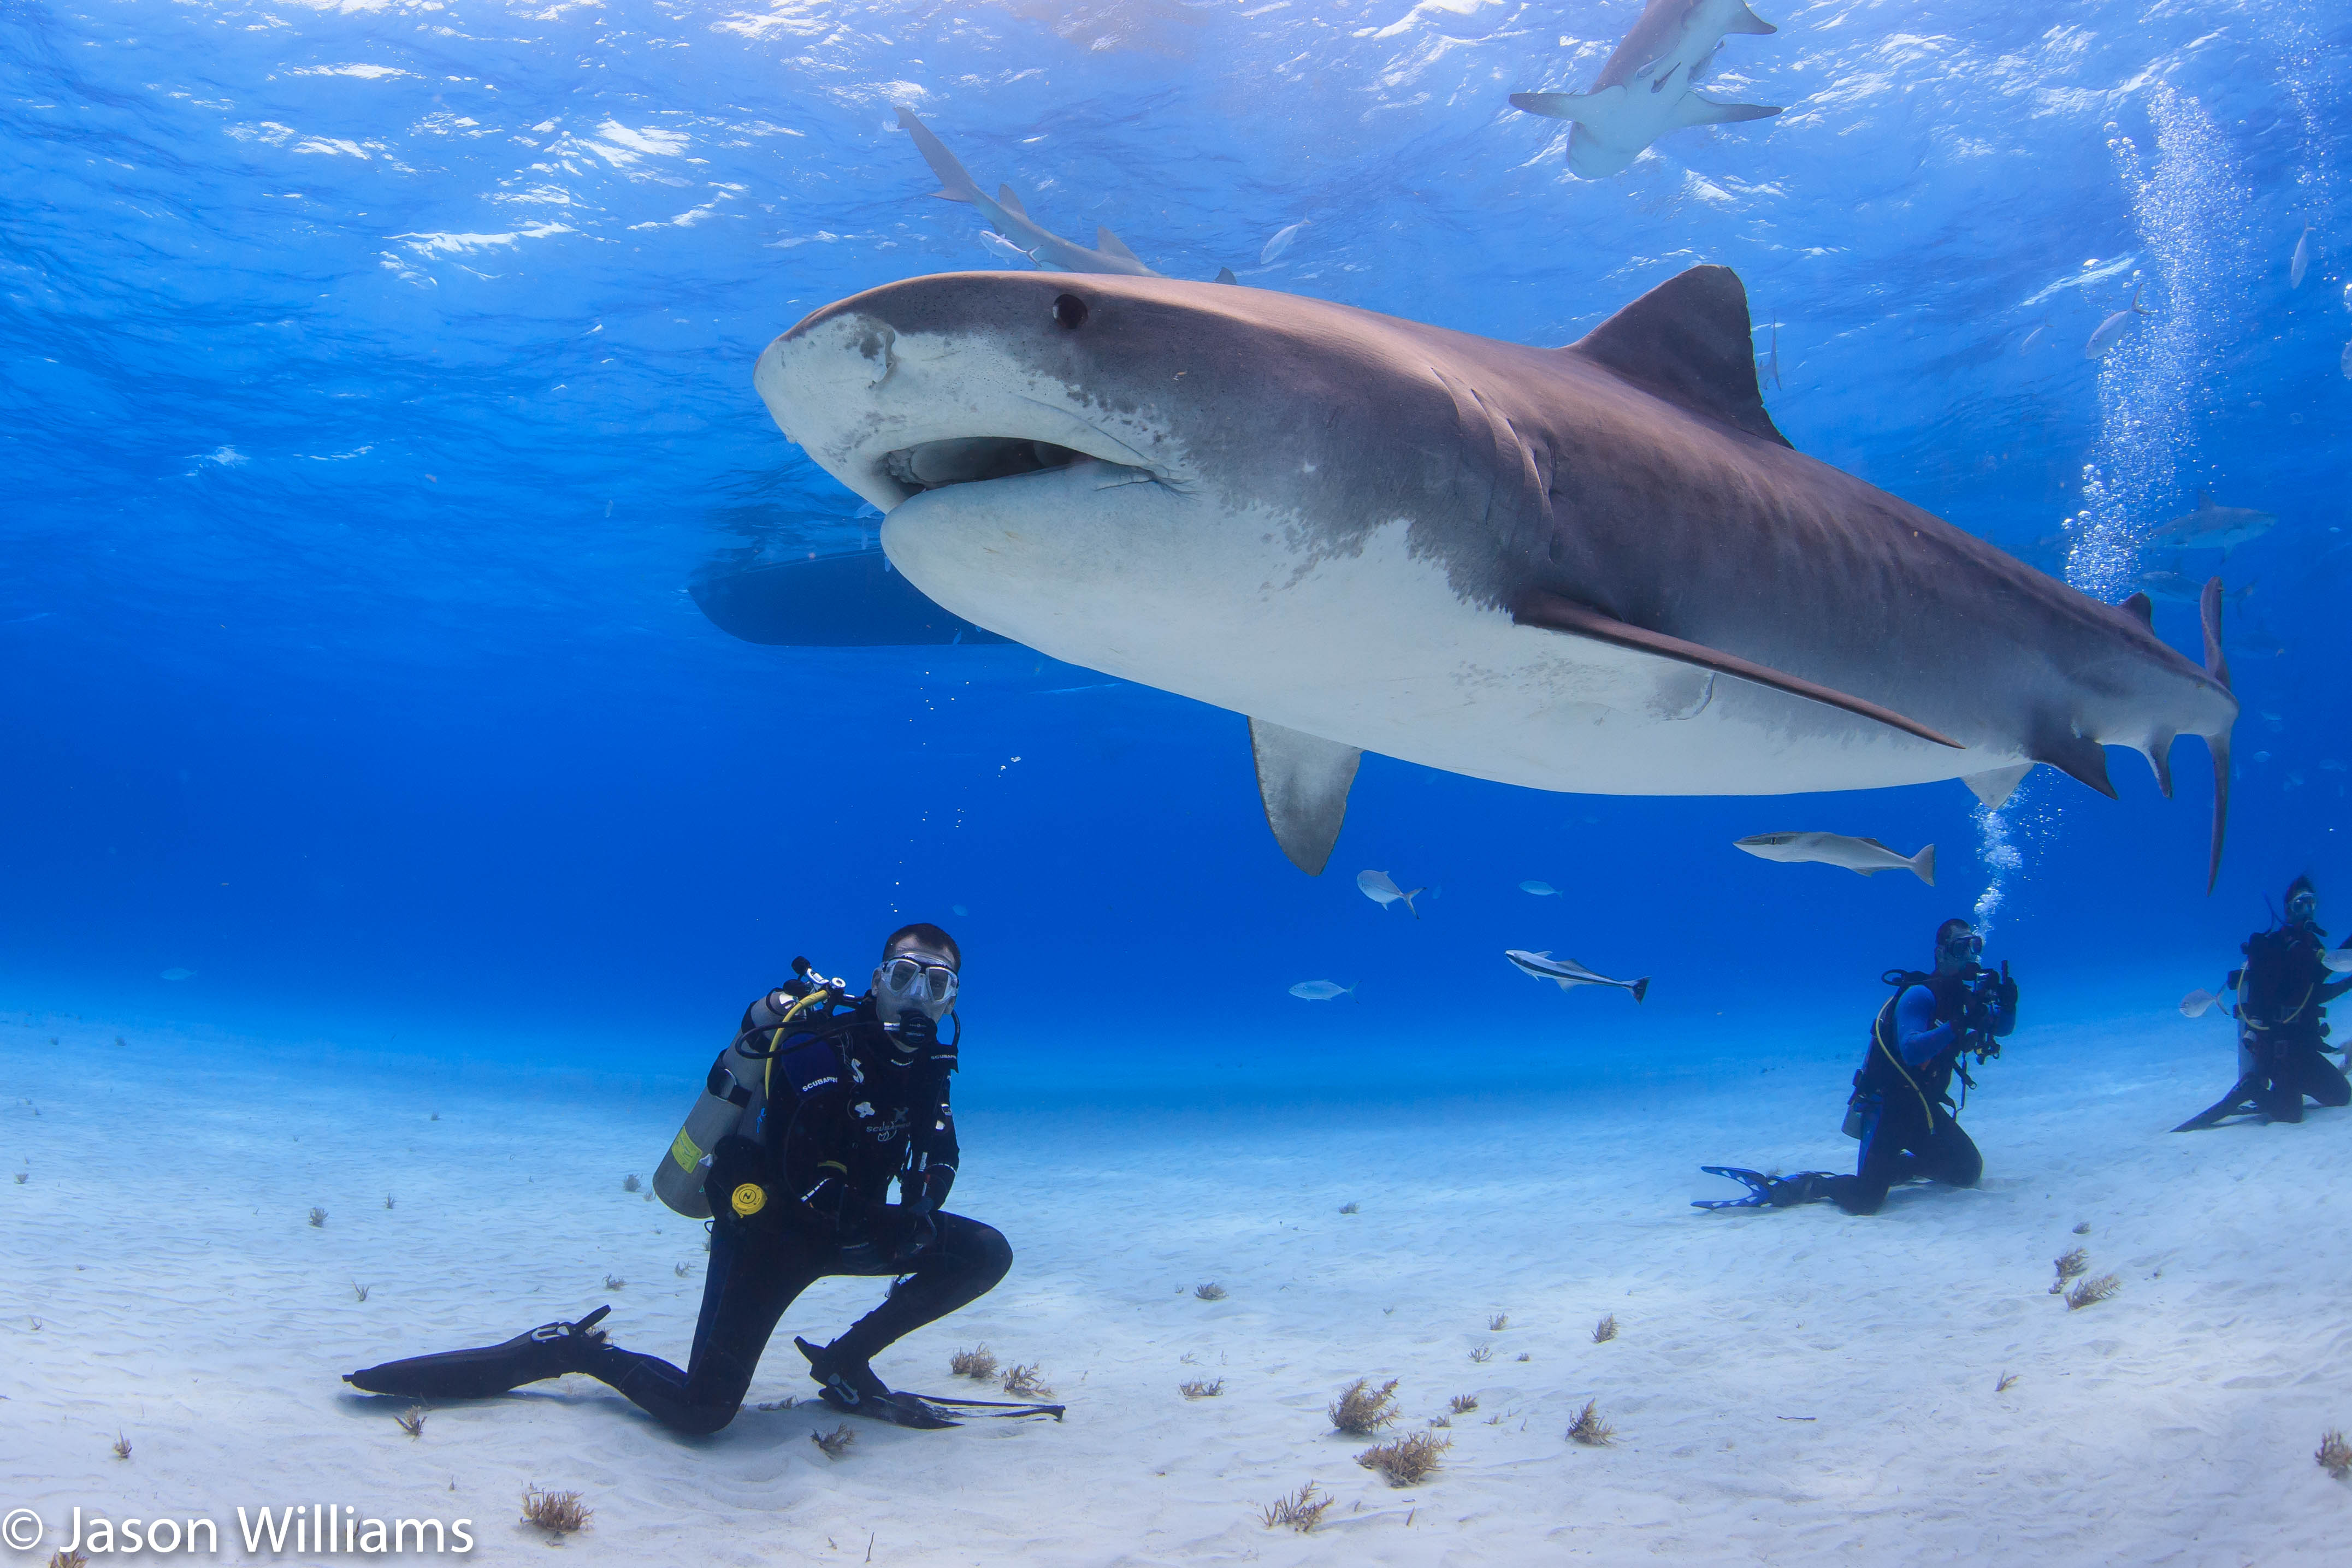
(1901, 1108)
(2282, 1012)
(806, 1118)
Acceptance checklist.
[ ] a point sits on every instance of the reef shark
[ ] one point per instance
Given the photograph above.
(1645, 90)
(2211, 527)
(1598, 568)
(1039, 244)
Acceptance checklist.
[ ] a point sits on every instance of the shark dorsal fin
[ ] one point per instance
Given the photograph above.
(2205, 501)
(1010, 203)
(2140, 605)
(1111, 244)
(1687, 341)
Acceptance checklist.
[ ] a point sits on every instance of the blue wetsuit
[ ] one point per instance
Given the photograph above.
(1907, 1130)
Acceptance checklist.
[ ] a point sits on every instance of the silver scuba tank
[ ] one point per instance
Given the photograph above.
(732, 1096)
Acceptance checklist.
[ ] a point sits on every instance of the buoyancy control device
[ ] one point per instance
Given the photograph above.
(734, 1094)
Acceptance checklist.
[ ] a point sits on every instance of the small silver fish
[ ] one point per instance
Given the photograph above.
(2337, 960)
(2343, 361)
(2110, 332)
(2197, 1004)
(2300, 261)
(1866, 856)
(1567, 973)
(1378, 886)
(1321, 990)
(1540, 889)
(997, 245)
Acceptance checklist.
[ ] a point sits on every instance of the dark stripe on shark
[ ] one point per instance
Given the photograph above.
(1553, 613)
(833, 602)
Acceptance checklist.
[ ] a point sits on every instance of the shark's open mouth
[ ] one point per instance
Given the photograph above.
(970, 459)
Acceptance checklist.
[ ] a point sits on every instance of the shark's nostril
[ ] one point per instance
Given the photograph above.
(1069, 311)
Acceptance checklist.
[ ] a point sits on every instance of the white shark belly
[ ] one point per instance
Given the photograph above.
(1370, 647)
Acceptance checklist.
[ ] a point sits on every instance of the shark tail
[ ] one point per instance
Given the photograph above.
(2217, 665)
(1641, 987)
(1922, 865)
(955, 182)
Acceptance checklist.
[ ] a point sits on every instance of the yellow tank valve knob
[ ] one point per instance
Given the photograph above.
(749, 1199)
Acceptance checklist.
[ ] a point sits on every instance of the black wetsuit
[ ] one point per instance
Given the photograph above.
(1904, 1092)
(846, 1115)
(2283, 997)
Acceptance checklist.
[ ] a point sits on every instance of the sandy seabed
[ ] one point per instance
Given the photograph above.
(1787, 1387)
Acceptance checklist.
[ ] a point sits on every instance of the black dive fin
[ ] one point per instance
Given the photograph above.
(1688, 340)
(550, 1350)
(1553, 613)
(1759, 1189)
(996, 1409)
(2217, 665)
(895, 1410)
(2240, 1100)
(1303, 781)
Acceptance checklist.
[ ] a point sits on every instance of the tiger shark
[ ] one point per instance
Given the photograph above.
(1596, 569)
(1644, 89)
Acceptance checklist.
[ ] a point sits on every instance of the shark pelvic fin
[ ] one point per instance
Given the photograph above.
(2141, 607)
(1111, 244)
(1553, 613)
(1689, 342)
(1748, 21)
(1010, 203)
(1303, 781)
(1695, 111)
(955, 183)
(2158, 752)
(2217, 666)
(2077, 755)
(1994, 787)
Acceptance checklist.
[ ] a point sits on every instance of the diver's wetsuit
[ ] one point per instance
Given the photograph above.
(1907, 1130)
(861, 1109)
(2283, 997)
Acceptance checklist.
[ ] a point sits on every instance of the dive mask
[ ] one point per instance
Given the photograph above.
(931, 986)
(1968, 946)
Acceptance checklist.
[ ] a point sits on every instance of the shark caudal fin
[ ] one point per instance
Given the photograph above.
(955, 185)
(1922, 865)
(2217, 665)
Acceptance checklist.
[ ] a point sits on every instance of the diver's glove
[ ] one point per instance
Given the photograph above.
(2006, 993)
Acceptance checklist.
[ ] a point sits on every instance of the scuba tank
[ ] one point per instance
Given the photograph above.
(735, 1091)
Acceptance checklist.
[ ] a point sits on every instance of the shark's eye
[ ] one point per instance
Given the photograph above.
(1069, 311)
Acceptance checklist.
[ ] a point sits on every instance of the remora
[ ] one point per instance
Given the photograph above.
(1596, 569)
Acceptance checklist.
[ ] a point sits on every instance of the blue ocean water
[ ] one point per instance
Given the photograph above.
(378, 378)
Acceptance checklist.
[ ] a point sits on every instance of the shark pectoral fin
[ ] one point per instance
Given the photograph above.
(957, 183)
(1748, 21)
(1010, 203)
(1553, 613)
(1556, 105)
(1304, 780)
(2217, 666)
(1695, 111)
(1993, 787)
(1111, 244)
(1689, 342)
(1225, 274)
